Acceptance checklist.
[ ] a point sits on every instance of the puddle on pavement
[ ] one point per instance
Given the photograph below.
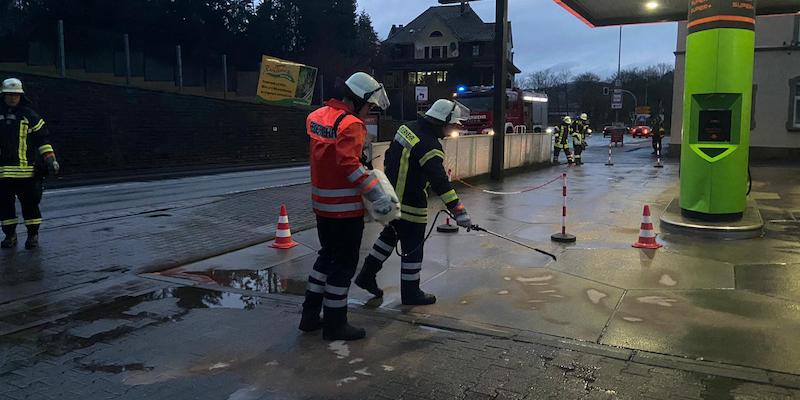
(263, 281)
(124, 315)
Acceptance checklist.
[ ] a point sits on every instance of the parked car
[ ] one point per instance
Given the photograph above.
(640, 131)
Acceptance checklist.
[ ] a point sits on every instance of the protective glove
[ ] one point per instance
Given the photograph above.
(462, 217)
(52, 165)
(382, 202)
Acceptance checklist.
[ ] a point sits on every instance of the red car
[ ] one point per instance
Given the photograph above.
(640, 131)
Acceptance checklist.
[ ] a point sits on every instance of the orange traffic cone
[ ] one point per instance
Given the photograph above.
(283, 236)
(647, 236)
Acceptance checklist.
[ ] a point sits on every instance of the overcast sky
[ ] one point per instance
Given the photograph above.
(545, 35)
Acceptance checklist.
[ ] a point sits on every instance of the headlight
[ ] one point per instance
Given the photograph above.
(590, 130)
(490, 132)
(549, 130)
(454, 134)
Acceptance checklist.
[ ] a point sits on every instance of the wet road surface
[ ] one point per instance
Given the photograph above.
(698, 319)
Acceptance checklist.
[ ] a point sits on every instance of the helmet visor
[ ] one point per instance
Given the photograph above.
(378, 98)
(460, 113)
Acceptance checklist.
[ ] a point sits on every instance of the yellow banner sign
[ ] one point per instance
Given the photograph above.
(285, 82)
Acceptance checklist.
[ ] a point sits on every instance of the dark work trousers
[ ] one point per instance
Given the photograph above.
(29, 193)
(557, 151)
(656, 144)
(578, 150)
(329, 281)
(411, 236)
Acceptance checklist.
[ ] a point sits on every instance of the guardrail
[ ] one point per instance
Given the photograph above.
(468, 156)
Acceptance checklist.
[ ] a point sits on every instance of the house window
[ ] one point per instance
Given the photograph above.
(436, 34)
(427, 77)
(427, 52)
(436, 52)
(476, 50)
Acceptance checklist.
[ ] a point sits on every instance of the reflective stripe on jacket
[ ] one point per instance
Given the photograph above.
(415, 161)
(562, 134)
(337, 177)
(23, 141)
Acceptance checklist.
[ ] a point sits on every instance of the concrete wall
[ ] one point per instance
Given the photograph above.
(777, 62)
(468, 156)
(102, 129)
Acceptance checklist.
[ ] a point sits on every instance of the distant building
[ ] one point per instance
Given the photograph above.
(443, 48)
(775, 125)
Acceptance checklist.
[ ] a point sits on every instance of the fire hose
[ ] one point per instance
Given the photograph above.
(475, 227)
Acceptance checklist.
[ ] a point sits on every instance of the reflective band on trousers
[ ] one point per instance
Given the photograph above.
(318, 275)
(336, 290)
(313, 287)
(411, 266)
(37, 221)
(338, 207)
(335, 192)
(383, 245)
(378, 255)
(334, 303)
(410, 277)
(9, 222)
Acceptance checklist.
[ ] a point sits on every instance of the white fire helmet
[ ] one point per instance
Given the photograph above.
(567, 119)
(584, 116)
(366, 87)
(12, 85)
(448, 112)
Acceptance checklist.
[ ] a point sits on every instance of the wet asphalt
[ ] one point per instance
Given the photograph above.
(733, 302)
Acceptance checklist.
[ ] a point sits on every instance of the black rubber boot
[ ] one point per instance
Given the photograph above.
(10, 240)
(412, 295)
(312, 306)
(335, 326)
(33, 237)
(367, 280)
(310, 322)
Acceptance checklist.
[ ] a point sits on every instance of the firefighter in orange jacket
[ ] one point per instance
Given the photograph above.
(338, 182)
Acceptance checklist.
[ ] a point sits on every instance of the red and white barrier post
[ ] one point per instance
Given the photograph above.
(563, 236)
(658, 157)
(609, 163)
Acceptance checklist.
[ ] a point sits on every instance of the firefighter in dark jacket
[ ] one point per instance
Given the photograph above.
(338, 183)
(562, 134)
(26, 156)
(580, 130)
(414, 162)
(657, 134)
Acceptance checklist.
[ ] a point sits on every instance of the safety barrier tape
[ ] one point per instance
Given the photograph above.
(492, 192)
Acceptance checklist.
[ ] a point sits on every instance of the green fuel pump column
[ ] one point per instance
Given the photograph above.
(717, 103)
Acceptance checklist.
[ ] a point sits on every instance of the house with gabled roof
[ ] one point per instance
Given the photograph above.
(441, 49)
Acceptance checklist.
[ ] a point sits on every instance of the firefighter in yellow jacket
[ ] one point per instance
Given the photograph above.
(26, 156)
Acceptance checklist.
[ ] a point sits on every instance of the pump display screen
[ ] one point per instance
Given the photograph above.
(715, 126)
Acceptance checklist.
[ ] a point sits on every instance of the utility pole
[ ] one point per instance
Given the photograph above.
(62, 64)
(500, 76)
(618, 83)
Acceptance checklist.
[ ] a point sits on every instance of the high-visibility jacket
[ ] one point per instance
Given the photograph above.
(413, 162)
(337, 177)
(562, 134)
(580, 130)
(24, 141)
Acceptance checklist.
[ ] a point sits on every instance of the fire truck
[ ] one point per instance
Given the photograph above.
(525, 111)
